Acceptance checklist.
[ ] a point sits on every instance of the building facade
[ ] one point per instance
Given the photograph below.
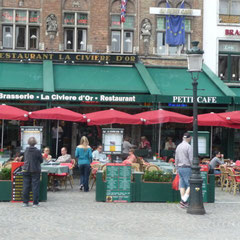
(78, 54)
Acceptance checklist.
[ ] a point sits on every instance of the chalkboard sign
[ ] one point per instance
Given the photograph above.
(118, 182)
(204, 176)
(17, 183)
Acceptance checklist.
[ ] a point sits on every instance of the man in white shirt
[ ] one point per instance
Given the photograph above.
(97, 155)
(65, 158)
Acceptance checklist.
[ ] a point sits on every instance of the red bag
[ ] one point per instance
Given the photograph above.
(175, 183)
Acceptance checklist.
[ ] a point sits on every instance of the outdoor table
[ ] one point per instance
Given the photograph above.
(55, 169)
(166, 167)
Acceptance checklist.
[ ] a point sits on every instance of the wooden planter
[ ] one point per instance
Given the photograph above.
(5, 190)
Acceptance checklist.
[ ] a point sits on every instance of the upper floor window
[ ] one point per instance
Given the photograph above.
(164, 49)
(75, 31)
(229, 7)
(20, 29)
(122, 35)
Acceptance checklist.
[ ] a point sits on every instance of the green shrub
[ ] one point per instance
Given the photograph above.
(157, 176)
(5, 174)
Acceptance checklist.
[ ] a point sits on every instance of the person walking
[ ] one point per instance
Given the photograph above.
(84, 155)
(183, 162)
(31, 172)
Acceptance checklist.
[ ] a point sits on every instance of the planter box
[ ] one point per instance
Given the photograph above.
(5, 190)
(151, 191)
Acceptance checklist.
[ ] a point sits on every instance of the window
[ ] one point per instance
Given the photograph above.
(229, 61)
(75, 31)
(229, 7)
(165, 49)
(117, 42)
(20, 29)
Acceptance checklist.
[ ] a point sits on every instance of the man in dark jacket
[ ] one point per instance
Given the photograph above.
(32, 170)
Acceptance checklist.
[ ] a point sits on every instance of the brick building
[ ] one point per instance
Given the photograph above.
(80, 48)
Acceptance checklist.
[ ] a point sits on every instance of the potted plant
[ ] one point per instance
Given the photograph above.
(5, 184)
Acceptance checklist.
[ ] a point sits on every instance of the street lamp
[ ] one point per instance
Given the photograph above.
(195, 60)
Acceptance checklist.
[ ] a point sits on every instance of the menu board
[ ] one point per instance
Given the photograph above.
(203, 143)
(204, 176)
(118, 182)
(17, 183)
(112, 140)
(31, 131)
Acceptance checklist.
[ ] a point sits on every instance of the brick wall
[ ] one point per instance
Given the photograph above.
(99, 19)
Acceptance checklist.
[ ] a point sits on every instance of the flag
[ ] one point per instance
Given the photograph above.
(123, 10)
(175, 28)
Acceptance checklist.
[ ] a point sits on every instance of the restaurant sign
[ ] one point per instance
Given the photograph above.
(68, 58)
(189, 99)
(175, 11)
(74, 97)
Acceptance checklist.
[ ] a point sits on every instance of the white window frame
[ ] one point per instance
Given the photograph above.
(122, 31)
(27, 25)
(229, 8)
(75, 28)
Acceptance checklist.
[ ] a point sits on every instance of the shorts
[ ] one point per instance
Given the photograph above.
(184, 176)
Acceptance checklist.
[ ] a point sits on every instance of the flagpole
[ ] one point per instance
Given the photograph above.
(122, 37)
(2, 134)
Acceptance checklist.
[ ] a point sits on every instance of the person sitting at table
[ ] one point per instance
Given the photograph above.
(169, 145)
(65, 158)
(217, 160)
(131, 157)
(97, 155)
(46, 156)
(126, 146)
(144, 144)
(18, 157)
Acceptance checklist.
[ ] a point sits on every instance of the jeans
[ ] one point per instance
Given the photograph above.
(84, 176)
(184, 176)
(31, 181)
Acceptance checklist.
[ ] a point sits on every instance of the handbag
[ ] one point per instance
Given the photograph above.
(175, 183)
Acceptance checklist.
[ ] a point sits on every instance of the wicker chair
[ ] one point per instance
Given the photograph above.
(136, 167)
(93, 174)
(235, 180)
(224, 179)
(152, 168)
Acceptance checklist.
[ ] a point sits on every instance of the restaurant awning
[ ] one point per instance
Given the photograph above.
(236, 90)
(175, 85)
(118, 83)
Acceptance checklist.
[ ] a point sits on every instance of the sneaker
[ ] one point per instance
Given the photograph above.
(25, 205)
(81, 187)
(183, 204)
(36, 205)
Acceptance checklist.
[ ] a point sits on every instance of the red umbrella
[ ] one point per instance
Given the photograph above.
(231, 117)
(163, 116)
(11, 113)
(57, 113)
(211, 119)
(111, 116)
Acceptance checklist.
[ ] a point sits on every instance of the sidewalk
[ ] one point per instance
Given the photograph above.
(72, 214)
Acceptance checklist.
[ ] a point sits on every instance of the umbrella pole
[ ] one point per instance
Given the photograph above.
(211, 142)
(57, 138)
(2, 134)
(159, 138)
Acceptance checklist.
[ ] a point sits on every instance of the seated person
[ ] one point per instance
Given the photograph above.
(144, 144)
(217, 160)
(18, 157)
(65, 158)
(97, 155)
(46, 156)
(169, 145)
(131, 157)
(126, 146)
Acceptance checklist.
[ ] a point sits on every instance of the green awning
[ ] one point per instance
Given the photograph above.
(236, 90)
(92, 78)
(19, 76)
(175, 85)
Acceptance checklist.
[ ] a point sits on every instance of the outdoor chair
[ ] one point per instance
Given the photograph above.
(136, 167)
(152, 168)
(224, 180)
(93, 173)
(235, 180)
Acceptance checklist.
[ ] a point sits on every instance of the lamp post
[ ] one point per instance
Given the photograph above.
(195, 60)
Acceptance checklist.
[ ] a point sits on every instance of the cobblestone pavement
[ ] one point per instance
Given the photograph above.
(71, 214)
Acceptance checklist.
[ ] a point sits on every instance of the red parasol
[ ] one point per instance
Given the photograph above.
(231, 117)
(211, 119)
(11, 113)
(163, 116)
(111, 116)
(57, 113)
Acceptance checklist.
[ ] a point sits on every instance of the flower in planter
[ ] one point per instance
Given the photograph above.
(157, 176)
